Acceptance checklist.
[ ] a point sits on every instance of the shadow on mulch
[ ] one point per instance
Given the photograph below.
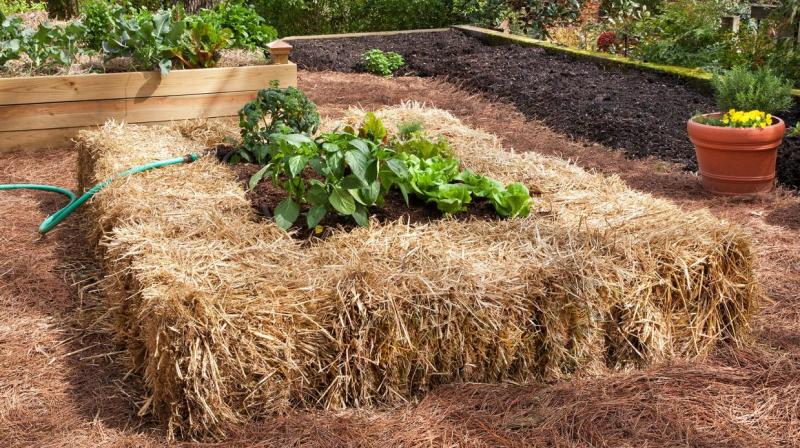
(788, 217)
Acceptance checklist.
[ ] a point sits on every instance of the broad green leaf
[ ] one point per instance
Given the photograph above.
(315, 215)
(330, 147)
(298, 139)
(351, 182)
(286, 213)
(361, 145)
(398, 167)
(342, 201)
(358, 165)
(317, 194)
(296, 165)
(360, 216)
(335, 164)
(256, 178)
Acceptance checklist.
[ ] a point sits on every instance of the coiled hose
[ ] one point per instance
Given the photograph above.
(74, 201)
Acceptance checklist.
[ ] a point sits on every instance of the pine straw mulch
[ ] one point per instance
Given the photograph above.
(231, 320)
(737, 397)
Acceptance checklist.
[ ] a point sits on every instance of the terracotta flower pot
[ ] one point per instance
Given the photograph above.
(736, 160)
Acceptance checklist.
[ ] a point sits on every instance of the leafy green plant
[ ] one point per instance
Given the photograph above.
(353, 173)
(534, 17)
(686, 33)
(274, 110)
(744, 89)
(624, 19)
(249, 30)
(379, 63)
(347, 171)
(54, 45)
(149, 39)
(100, 18)
(199, 46)
(10, 38)
(8, 7)
(412, 139)
(511, 201)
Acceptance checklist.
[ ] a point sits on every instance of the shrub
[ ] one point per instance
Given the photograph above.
(298, 17)
(534, 17)
(17, 6)
(744, 89)
(686, 32)
(379, 63)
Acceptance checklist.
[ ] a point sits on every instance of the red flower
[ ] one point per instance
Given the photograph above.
(605, 40)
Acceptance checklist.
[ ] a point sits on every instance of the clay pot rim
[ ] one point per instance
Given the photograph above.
(776, 121)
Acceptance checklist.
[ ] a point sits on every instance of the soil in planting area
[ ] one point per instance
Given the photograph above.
(63, 383)
(265, 197)
(643, 113)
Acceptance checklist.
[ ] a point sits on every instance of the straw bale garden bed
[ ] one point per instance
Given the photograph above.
(229, 317)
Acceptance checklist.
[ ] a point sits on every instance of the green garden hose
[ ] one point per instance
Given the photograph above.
(74, 202)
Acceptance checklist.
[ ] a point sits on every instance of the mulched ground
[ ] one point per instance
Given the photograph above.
(640, 112)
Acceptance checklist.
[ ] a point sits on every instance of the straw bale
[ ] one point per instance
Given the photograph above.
(230, 319)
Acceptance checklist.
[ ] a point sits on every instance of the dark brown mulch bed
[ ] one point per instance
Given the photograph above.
(265, 197)
(640, 112)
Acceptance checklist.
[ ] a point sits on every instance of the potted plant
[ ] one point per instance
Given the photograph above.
(737, 149)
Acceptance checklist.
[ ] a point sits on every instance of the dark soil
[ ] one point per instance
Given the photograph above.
(266, 196)
(642, 113)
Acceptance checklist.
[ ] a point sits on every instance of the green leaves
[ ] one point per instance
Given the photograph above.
(512, 202)
(379, 63)
(286, 114)
(342, 201)
(286, 213)
(352, 171)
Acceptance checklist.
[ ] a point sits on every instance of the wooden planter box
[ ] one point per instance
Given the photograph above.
(47, 111)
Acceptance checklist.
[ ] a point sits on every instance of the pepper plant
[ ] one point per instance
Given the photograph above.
(352, 171)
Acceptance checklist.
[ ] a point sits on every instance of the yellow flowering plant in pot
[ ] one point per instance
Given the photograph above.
(736, 150)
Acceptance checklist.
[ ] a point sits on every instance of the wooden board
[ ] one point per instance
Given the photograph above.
(49, 89)
(46, 112)
(53, 138)
(130, 110)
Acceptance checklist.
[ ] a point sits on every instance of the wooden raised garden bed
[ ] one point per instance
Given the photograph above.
(47, 111)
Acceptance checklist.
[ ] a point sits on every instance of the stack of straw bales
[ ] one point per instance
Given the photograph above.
(229, 319)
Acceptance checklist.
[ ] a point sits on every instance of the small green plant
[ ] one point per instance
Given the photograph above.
(274, 110)
(249, 30)
(200, 45)
(149, 39)
(11, 38)
(384, 64)
(411, 138)
(744, 89)
(100, 18)
(353, 171)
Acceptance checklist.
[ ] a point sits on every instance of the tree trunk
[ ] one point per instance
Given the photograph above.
(62, 9)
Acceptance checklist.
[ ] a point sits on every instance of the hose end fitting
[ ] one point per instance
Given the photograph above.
(189, 158)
